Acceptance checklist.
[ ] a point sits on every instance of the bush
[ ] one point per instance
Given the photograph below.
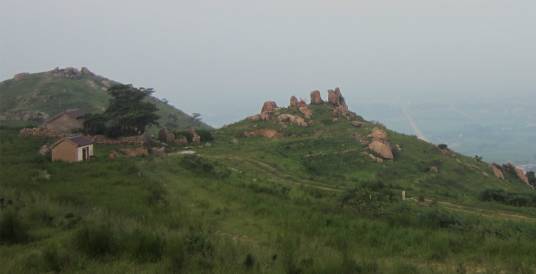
(436, 218)
(52, 259)
(206, 135)
(146, 247)
(12, 229)
(508, 198)
(96, 240)
(443, 146)
(204, 166)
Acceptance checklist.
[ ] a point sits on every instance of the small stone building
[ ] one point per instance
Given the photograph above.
(65, 122)
(72, 149)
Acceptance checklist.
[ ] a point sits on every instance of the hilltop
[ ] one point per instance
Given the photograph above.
(30, 98)
(305, 188)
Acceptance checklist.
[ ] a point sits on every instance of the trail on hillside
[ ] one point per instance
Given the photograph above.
(413, 125)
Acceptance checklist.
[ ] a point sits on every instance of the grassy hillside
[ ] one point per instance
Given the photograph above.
(54, 91)
(309, 201)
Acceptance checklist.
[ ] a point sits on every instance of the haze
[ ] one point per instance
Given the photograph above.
(224, 58)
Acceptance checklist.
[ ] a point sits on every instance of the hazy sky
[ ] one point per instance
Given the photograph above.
(223, 58)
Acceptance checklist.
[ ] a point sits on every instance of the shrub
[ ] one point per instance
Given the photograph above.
(206, 135)
(96, 240)
(443, 146)
(438, 218)
(12, 229)
(52, 259)
(508, 198)
(147, 247)
(204, 166)
(249, 262)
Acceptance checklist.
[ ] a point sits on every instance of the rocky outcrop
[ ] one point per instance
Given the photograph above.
(497, 171)
(379, 144)
(166, 136)
(378, 134)
(266, 133)
(196, 139)
(293, 102)
(182, 140)
(381, 149)
(316, 98)
(335, 98)
(292, 120)
(306, 111)
(86, 71)
(267, 109)
(357, 124)
(520, 173)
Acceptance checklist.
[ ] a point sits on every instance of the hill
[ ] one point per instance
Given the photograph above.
(31, 98)
(307, 188)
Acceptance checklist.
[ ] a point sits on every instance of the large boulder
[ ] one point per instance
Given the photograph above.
(293, 102)
(316, 98)
(267, 109)
(292, 119)
(196, 139)
(381, 149)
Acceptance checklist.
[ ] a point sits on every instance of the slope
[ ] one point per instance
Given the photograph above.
(31, 98)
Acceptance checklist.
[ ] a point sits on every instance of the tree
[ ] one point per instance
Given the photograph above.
(532, 178)
(127, 113)
(196, 119)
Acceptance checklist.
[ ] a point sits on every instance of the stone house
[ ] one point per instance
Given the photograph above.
(72, 149)
(65, 122)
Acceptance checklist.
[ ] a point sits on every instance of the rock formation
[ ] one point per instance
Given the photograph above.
(379, 144)
(166, 136)
(497, 171)
(316, 98)
(196, 139)
(382, 149)
(306, 111)
(520, 173)
(44, 150)
(20, 76)
(292, 119)
(267, 109)
(378, 134)
(293, 102)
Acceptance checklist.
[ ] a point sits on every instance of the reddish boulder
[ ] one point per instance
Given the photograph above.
(267, 109)
(382, 149)
(316, 98)
(196, 139)
(292, 119)
(166, 136)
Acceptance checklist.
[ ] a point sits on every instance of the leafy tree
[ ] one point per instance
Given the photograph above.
(196, 119)
(532, 178)
(127, 113)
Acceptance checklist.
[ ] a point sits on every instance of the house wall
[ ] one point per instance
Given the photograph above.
(65, 151)
(64, 124)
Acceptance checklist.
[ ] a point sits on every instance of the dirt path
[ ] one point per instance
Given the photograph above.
(413, 125)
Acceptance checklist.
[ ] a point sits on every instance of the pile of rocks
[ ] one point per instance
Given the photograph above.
(266, 133)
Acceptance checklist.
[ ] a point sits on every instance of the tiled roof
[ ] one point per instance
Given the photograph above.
(81, 140)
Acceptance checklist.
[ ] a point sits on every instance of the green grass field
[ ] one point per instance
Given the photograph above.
(309, 202)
